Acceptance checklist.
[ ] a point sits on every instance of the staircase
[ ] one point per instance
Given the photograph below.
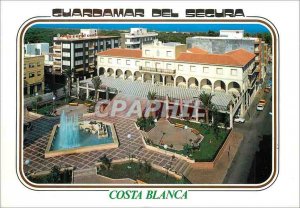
(182, 168)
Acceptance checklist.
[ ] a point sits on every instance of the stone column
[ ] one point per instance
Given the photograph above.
(187, 85)
(152, 79)
(167, 107)
(163, 76)
(84, 77)
(142, 77)
(243, 105)
(230, 116)
(77, 84)
(174, 82)
(197, 110)
(87, 91)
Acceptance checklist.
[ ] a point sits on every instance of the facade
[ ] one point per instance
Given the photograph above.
(137, 37)
(36, 48)
(231, 40)
(171, 64)
(33, 75)
(78, 52)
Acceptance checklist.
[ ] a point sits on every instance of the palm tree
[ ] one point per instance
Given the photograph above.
(69, 73)
(151, 97)
(97, 83)
(205, 98)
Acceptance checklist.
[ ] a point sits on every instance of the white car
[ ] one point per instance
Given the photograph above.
(260, 107)
(239, 120)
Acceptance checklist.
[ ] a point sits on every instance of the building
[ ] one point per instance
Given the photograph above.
(229, 40)
(36, 48)
(33, 75)
(137, 37)
(79, 51)
(171, 64)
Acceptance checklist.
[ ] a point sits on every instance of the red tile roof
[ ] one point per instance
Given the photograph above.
(239, 57)
(197, 50)
(121, 52)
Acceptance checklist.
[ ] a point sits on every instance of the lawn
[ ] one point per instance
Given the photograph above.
(209, 146)
(139, 171)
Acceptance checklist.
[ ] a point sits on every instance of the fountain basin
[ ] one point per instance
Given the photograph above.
(87, 142)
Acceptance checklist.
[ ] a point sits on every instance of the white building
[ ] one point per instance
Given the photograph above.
(137, 37)
(171, 64)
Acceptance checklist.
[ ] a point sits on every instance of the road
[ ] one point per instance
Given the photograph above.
(259, 123)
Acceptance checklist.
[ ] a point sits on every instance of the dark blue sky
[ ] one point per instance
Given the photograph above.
(194, 27)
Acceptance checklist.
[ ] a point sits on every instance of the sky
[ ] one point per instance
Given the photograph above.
(165, 27)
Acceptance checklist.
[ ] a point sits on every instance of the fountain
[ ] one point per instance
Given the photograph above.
(71, 136)
(68, 129)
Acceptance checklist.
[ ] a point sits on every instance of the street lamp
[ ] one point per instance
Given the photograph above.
(27, 162)
(53, 98)
(129, 139)
(36, 103)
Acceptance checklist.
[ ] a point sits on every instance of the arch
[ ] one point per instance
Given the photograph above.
(169, 80)
(138, 76)
(128, 74)
(180, 81)
(101, 71)
(234, 88)
(158, 79)
(205, 84)
(147, 78)
(219, 86)
(193, 83)
(110, 72)
(119, 73)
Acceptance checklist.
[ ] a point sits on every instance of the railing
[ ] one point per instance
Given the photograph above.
(56, 63)
(57, 47)
(157, 70)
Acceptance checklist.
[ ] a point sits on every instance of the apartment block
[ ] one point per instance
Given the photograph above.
(230, 40)
(79, 51)
(137, 37)
(33, 75)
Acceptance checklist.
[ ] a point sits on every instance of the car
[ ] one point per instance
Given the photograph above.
(262, 102)
(239, 120)
(260, 107)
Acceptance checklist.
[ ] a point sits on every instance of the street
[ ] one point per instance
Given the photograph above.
(258, 124)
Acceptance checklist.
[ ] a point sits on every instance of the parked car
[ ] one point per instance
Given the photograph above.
(260, 107)
(239, 120)
(262, 101)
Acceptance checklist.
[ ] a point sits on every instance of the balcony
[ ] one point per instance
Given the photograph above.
(57, 47)
(157, 70)
(57, 55)
(56, 63)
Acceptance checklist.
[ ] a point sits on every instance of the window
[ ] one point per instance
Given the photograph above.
(169, 66)
(101, 42)
(180, 67)
(219, 71)
(205, 70)
(79, 45)
(66, 45)
(66, 63)
(157, 65)
(66, 54)
(31, 65)
(157, 53)
(25, 66)
(86, 61)
(102, 60)
(86, 44)
(31, 74)
(119, 61)
(137, 63)
(38, 64)
(24, 75)
(79, 62)
(169, 53)
(233, 72)
(147, 64)
(108, 42)
(39, 73)
(127, 62)
(192, 68)
(78, 54)
(110, 60)
(147, 52)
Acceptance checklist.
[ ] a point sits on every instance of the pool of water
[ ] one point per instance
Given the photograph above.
(84, 139)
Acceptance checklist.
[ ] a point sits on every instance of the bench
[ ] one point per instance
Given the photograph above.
(195, 131)
(178, 125)
(73, 104)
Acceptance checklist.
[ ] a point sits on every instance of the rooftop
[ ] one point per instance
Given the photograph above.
(239, 57)
(82, 37)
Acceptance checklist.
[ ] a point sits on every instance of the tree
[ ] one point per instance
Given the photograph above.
(106, 161)
(205, 98)
(151, 97)
(68, 73)
(97, 83)
(216, 122)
